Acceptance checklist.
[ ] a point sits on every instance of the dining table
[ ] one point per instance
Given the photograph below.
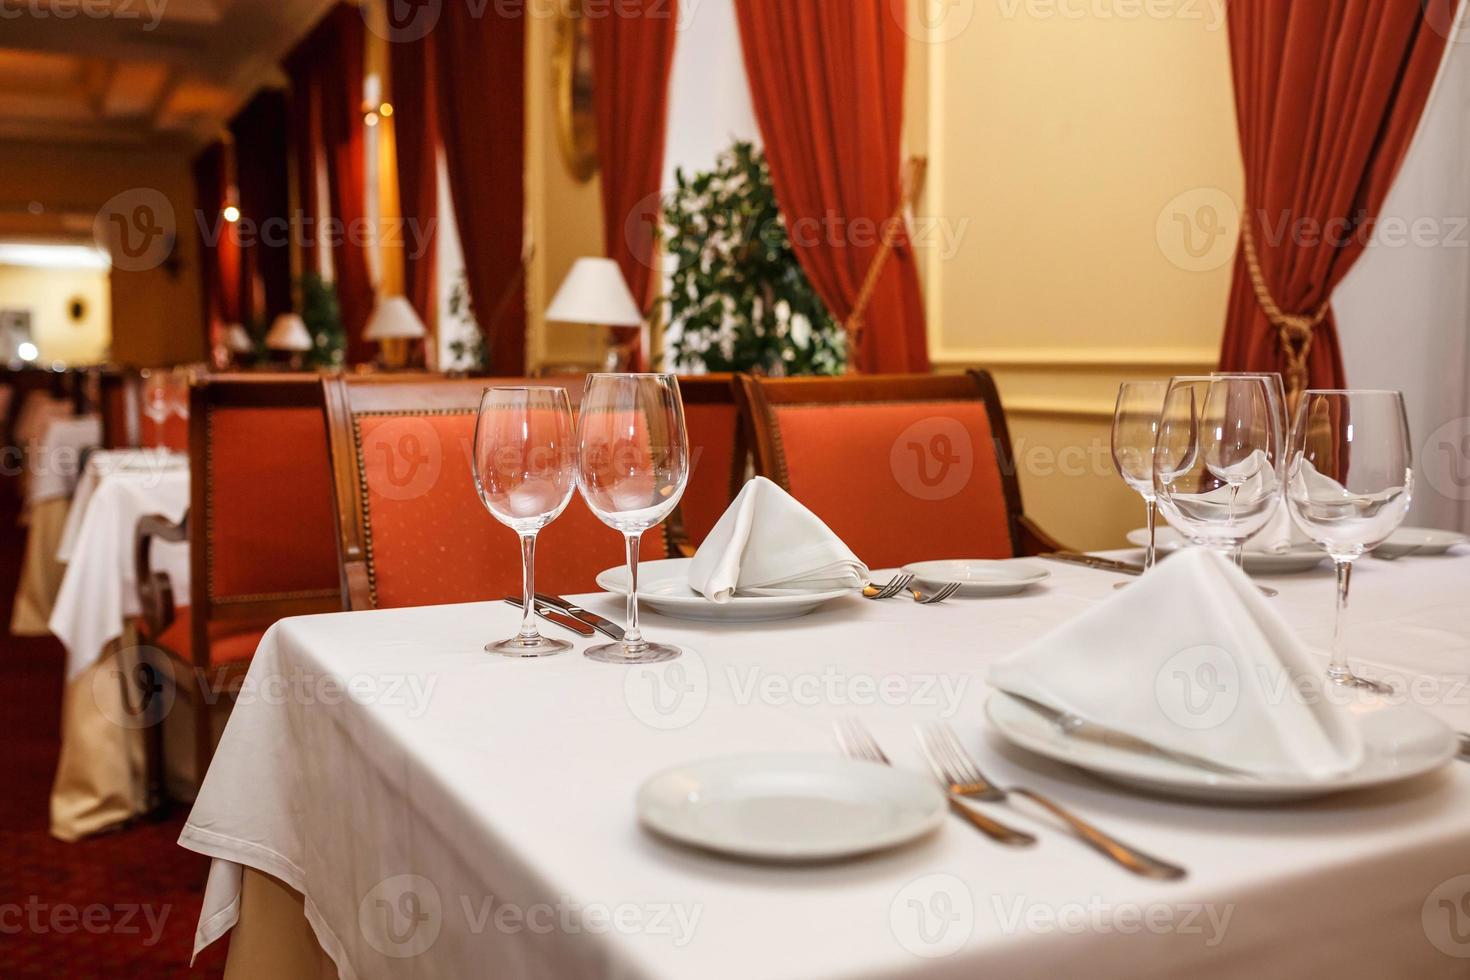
(420, 808)
(100, 777)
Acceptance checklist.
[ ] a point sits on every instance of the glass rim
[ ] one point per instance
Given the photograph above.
(1352, 391)
(490, 388)
(630, 374)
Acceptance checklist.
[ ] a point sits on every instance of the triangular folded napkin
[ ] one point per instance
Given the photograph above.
(769, 544)
(1192, 660)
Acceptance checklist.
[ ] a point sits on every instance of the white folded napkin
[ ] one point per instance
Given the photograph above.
(1191, 659)
(767, 544)
(1280, 535)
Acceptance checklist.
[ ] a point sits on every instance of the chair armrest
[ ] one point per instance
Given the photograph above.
(155, 591)
(1032, 540)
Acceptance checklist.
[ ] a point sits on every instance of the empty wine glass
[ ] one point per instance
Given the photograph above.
(1135, 433)
(158, 405)
(525, 461)
(1350, 480)
(633, 464)
(1216, 463)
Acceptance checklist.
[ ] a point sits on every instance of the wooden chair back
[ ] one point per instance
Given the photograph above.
(411, 528)
(902, 468)
(262, 545)
(719, 454)
(120, 401)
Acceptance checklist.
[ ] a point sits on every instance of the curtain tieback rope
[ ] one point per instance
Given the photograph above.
(1293, 330)
(911, 183)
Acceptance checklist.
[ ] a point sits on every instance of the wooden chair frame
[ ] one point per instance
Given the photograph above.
(759, 396)
(155, 591)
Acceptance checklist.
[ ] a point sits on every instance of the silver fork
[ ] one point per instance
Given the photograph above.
(958, 771)
(895, 585)
(935, 598)
(858, 744)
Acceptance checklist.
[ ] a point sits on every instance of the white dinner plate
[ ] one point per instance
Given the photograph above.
(1418, 541)
(1301, 557)
(1399, 741)
(790, 807)
(978, 577)
(663, 586)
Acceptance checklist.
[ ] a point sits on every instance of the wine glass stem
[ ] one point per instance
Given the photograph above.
(1339, 671)
(633, 638)
(1153, 524)
(529, 627)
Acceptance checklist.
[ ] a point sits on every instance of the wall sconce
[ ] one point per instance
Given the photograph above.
(372, 114)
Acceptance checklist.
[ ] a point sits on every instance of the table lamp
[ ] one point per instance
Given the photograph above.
(395, 324)
(595, 292)
(237, 340)
(289, 334)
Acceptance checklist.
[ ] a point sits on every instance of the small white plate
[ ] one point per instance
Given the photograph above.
(1418, 541)
(663, 586)
(1301, 557)
(790, 807)
(978, 577)
(1399, 741)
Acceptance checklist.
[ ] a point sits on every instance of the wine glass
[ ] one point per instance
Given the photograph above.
(525, 471)
(1217, 473)
(1135, 433)
(157, 405)
(633, 464)
(1350, 480)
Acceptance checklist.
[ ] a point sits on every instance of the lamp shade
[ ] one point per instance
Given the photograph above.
(595, 292)
(394, 318)
(289, 333)
(238, 340)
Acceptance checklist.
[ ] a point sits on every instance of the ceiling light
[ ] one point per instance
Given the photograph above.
(27, 351)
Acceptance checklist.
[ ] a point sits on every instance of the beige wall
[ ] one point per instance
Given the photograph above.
(1071, 147)
(565, 217)
(157, 312)
(48, 295)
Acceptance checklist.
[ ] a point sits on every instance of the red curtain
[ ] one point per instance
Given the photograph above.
(1328, 95)
(827, 80)
(219, 248)
(416, 136)
(632, 56)
(262, 169)
(481, 80)
(326, 72)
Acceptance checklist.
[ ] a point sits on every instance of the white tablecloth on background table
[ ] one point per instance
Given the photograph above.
(99, 591)
(488, 805)
(54, 460)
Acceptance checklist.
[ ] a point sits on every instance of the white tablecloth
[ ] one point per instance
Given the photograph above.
(457, 815)
(99, 591)
(54, 460)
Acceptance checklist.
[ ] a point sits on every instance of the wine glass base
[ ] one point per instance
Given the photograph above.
(618, 653)
(527, 649)
(1348, 679)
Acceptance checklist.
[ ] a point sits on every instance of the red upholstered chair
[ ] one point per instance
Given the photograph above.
(262, 541)
(902, 468)
(719, 456)
(412, 529)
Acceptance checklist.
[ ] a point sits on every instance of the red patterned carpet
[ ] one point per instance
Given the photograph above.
(123, 904)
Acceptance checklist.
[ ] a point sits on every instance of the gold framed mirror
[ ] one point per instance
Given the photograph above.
(576, 118)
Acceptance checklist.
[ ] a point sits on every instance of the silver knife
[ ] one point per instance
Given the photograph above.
(565, 621)
(604, 626)
(1093, 561)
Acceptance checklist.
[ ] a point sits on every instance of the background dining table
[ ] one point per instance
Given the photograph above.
(55, 449)
(448, 813)
(100, 774)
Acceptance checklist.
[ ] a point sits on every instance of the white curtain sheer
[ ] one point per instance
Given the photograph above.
(1404, 310)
